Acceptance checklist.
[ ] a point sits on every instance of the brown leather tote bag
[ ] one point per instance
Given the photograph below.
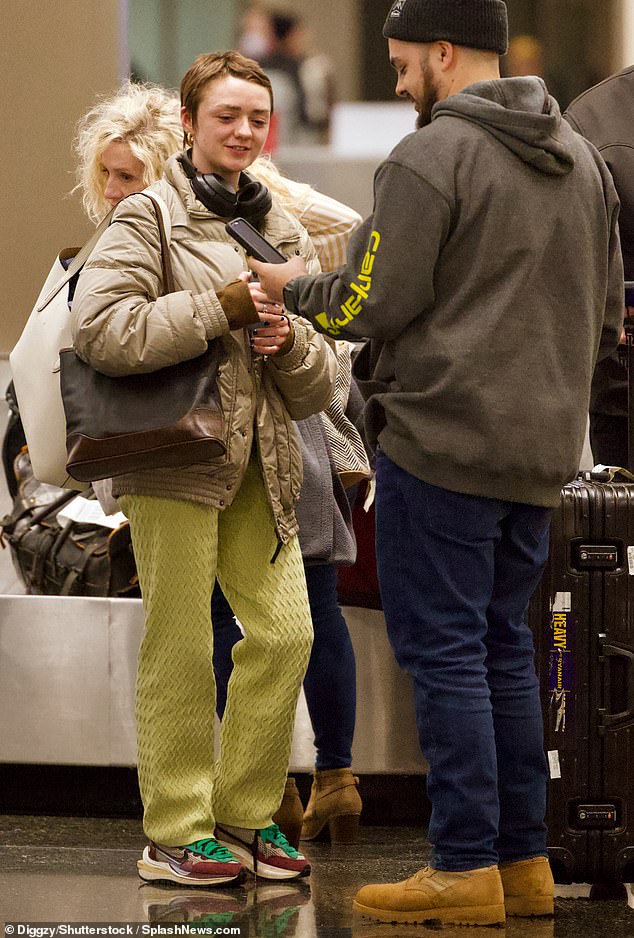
(165, 418)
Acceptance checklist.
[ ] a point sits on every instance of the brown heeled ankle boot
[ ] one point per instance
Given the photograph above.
(290, 813)
(334, 807)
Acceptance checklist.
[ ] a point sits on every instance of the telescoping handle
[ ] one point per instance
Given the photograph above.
(628, 358)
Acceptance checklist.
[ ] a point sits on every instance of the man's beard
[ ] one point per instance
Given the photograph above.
(428, 98)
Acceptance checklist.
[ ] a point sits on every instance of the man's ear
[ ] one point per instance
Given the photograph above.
(446, 55)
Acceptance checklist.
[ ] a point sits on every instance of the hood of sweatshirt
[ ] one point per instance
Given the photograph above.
(521, 114)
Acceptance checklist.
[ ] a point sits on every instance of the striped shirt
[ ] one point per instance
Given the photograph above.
(328, 222)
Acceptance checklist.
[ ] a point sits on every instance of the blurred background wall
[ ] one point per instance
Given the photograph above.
(166, 35)
(56, 58)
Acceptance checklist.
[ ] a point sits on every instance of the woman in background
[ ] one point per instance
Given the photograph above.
(123, 143)
(334, 460)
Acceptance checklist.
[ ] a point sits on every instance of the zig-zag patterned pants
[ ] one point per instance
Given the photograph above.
(180, 547)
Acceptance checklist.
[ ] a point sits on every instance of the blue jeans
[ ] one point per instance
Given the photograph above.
(456, 574)
(330, 681)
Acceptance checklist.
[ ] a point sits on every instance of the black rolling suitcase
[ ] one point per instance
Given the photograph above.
(582, 617)
(583, 624)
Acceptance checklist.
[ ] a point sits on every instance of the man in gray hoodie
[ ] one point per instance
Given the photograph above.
(489, 280)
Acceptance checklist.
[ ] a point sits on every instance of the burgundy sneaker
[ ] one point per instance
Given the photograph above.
(203, 863)
(266, 852)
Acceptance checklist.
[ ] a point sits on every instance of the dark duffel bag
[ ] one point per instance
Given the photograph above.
(64, 558)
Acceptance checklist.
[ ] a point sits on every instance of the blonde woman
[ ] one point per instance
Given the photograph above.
(123, 142)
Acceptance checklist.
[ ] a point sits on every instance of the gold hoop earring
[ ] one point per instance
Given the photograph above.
(190, 138)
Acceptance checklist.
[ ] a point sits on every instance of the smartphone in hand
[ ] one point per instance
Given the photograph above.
(253, 242)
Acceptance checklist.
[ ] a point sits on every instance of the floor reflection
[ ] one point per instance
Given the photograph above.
(259, 909)
(539, 928)
(83, 870)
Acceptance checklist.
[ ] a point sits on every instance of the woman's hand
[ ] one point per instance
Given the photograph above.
(274, 333)
(274, 329)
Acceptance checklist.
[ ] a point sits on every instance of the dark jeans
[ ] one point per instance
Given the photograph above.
(456, 574)
(330, 681)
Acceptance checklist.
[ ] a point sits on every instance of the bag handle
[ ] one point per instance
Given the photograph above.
(164, 222)
(38, 516)
(77, 262)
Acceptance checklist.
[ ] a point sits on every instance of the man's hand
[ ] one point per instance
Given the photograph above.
(274, 277)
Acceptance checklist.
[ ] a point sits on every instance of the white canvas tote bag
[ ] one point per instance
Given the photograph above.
(35, 364)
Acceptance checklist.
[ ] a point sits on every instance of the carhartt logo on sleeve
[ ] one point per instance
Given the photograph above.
(397, 9)
(359, 291)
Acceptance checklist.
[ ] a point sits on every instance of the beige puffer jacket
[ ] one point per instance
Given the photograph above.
(123, 325)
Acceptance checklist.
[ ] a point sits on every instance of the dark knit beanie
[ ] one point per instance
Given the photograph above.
(479, 24)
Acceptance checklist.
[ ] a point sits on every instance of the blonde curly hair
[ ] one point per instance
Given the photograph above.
(146, 117)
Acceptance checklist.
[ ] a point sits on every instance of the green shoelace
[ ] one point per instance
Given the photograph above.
(211, 849)
(273, 835)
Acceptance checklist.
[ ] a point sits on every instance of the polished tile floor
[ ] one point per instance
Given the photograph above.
(83, 869)
(65, 869)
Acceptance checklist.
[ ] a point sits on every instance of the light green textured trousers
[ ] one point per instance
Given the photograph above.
(180, 548)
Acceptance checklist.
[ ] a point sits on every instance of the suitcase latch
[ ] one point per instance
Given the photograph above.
(596, 817)
(598, 556)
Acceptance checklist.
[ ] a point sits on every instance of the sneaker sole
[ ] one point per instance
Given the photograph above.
(265, 871)
(485, 915)
(154, 872)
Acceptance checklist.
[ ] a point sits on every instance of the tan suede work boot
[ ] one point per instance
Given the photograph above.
(290, 813)
(334, 808)
(529, 888)
(472, 897)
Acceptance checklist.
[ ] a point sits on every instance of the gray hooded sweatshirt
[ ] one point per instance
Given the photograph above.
(490, 279)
